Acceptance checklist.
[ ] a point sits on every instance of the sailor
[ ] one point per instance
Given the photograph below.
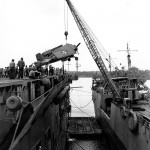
(1, 72)
(38, 65)
(51, 70)
(26, 73)
(5, 69)
(46, 69)
(12, 69)
(16, 71)
(34, 74)
(21, 65)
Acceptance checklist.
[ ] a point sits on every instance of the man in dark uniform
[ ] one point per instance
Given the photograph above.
(51, 70)
(21, 65)
(26, 73)
(12, 69)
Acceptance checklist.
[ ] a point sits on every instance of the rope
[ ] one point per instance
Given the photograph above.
(86, 104)
(80, 109)
(95, 39)
(65, 15)
(81, 91)
(99, 45)
(65, 20)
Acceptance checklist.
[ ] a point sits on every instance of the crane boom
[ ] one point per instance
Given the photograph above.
(90, 42)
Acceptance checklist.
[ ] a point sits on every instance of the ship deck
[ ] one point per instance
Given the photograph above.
(8, 82)
(81, 127)
(144, 109)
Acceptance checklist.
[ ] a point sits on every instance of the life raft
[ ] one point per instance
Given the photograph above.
(14, 103)
(47, 84)
(132, 121)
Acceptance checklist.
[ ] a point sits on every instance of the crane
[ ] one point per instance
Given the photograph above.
(93, 48)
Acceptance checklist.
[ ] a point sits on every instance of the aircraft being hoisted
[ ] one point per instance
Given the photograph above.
(62, 52)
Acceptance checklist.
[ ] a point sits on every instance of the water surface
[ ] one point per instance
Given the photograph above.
(81, 98)
(82, 106)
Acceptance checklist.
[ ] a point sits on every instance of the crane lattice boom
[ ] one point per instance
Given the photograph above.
(91, 44)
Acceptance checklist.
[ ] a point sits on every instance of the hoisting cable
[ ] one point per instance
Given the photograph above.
(65, 20)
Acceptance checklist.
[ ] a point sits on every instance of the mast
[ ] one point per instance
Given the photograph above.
(128, 60)
(77, 65)
(128, 56)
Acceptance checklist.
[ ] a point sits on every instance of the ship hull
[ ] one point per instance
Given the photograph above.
(116, 127)
(42, 121)
(113, 140)
(45, 132)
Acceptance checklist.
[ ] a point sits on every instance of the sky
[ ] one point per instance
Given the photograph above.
(28, 27)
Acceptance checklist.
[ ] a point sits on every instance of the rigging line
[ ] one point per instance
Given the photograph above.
(65, 16)
(86, 104)
(80, 109)
(81, 95)
(81, 91)
(113, 64)
(93, 36)
(97, 42)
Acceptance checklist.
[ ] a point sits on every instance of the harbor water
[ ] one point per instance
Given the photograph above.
(82, 106)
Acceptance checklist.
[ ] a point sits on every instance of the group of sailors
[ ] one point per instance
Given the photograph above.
(20, 70)
(13, 71)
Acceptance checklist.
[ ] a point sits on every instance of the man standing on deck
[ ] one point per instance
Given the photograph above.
(12, 69)
(21, 65)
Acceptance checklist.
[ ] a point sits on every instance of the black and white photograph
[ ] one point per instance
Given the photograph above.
(75, 75)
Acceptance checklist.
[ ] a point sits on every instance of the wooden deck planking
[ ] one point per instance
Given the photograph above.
(83, 126)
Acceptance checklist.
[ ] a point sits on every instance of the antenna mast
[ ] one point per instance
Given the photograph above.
(128, 60)
(128, 55)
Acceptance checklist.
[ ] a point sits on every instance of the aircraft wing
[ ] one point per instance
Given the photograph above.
(65, 51)
(62, 52)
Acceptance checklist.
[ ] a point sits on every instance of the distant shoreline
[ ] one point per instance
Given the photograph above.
(134, 73)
